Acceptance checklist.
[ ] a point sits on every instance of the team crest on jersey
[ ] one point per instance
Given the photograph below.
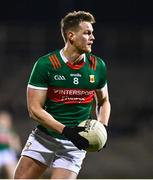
(92, 78)
(27, 146)
(59, 77)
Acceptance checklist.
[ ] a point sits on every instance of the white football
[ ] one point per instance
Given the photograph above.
(95, 133)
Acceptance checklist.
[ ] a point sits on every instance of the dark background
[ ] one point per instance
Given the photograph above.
(124, 39)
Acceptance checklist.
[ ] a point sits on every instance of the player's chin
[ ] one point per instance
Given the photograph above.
(88, 50)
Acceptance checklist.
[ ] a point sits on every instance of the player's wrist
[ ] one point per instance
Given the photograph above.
(66, 131)
(70, 132)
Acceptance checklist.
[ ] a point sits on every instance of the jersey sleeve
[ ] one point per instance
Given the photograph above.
(102, 73)
(39, 75)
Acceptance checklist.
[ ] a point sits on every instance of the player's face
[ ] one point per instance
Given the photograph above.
(83, 37)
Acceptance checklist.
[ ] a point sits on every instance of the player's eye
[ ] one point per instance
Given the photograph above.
(88, 32)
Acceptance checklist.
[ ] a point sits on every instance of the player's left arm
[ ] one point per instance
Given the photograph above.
(103, 105)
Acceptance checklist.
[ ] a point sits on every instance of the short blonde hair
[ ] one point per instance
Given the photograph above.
(73, 19)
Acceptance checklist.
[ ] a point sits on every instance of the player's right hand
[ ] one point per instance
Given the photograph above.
(72, 134)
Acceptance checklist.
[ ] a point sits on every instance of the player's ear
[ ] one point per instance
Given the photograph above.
(70, 36)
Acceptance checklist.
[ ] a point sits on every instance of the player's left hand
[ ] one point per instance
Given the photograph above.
(106, 127)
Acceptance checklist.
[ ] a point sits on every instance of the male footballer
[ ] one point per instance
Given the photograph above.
(60, 93)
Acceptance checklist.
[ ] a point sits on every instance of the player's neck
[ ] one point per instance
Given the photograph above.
(72, 56)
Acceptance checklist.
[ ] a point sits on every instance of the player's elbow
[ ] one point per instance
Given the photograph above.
(31, 115)
(32, 112)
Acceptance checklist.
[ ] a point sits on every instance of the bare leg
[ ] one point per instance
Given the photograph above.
(61, 173)
(28, 168)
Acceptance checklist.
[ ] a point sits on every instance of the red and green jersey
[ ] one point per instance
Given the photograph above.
(70, 88)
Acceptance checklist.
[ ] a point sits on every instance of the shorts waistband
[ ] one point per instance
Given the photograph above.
(43, 132)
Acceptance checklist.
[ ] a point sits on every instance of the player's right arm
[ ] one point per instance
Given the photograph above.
(36, 97)
(37, 94)
(35, 103)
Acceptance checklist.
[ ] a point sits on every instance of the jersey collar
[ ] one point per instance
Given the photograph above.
(65, 59)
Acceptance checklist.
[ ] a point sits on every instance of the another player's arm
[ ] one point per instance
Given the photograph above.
(103, 103)
(35, 102)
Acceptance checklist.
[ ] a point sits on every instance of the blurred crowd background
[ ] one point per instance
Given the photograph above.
(124, 39)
